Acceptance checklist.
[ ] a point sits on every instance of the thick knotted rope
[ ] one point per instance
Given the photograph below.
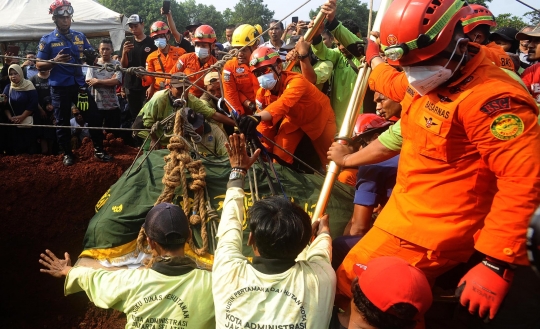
(177, 162)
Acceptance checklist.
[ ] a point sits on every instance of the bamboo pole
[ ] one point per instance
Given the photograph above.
(355, 103)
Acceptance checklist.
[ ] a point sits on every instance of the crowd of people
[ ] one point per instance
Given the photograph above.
(444, 161)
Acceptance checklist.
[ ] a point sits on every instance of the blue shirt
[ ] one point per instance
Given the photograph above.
(21, 101)
(374, 183)
(51, 44)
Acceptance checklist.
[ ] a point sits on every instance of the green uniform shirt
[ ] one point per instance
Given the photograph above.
(391, 138)
(344, 76)
(213, 141)
(323, 71)
(150, 299)
(160, 106)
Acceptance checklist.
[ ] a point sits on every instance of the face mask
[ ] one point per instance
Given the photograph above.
(160, 43)
(426, 78)
(267, 81)
(201, 53)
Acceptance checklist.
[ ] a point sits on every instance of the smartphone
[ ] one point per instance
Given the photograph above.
(13, 49)
(295, 19)
(65, 51)
(130, 38)
(166, 6)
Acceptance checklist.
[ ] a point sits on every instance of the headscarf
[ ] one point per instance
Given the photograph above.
(23, 85)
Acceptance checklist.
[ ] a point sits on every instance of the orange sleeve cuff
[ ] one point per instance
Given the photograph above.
(505, 249)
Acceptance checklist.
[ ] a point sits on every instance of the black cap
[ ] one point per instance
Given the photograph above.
(193, 25)
(167, 224)
(196, 119)
(506, 33)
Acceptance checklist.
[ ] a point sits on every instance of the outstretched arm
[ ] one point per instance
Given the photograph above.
(54, 266)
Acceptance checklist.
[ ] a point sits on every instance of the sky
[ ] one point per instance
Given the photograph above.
(283, 7)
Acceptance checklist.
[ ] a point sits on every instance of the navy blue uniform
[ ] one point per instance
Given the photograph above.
(65, 82)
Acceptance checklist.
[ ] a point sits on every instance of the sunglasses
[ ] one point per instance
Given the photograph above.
(213, 80)
(263, 71)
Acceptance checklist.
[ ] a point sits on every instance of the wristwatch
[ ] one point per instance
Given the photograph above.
(301, 57)
(236, 174)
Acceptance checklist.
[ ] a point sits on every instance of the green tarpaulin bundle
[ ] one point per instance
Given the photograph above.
(112, 232)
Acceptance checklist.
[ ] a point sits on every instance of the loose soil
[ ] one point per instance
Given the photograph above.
(46, 205)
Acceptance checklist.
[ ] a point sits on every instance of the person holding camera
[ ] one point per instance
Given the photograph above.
(64, 45)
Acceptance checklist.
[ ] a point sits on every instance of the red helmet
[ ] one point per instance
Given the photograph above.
(416, 30)
(204, 33)
(263, 56)
(480, 16)
(158, 28)
(367, 122)
(61, 8)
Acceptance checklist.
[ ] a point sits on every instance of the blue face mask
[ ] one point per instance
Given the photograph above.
(160, 43)
(201, 53)
(267, 81)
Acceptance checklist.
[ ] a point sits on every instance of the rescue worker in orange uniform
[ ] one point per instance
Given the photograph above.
(476, 26)
(298, 100)
(162, 60)
(469, 171)
(239, 84)
(204, 39)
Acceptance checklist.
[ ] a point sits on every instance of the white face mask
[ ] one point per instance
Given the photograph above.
(161, 43)
(426, 78)
(267, 81)
(201, 53)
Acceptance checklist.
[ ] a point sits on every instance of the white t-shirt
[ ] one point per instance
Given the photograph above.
(301, 297)
(105, 97)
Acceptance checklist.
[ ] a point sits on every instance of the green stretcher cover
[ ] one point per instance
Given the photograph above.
(121, 211)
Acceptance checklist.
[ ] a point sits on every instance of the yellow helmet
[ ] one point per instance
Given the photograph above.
(244, 35)
(258, 27)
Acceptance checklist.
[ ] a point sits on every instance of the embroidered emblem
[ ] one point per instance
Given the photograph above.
(507, 126)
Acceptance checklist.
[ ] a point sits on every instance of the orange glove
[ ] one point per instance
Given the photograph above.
(485, 286)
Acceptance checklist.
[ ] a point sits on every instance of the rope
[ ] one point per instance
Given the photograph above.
(176, 164)
(69, 127)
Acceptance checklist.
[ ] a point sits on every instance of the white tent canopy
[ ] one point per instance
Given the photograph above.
(27, 20)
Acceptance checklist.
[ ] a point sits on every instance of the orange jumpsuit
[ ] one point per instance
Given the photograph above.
(468, 175)
(153, 65)
(189, 63)
(497, 55)
(304, 106)
(239, 85)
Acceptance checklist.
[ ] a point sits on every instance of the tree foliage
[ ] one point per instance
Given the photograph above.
(509, 20)
(534, 17)
(249, 12)
(480, 2)
(351, 9)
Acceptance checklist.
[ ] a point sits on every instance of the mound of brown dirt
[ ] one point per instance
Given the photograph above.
(46, 205)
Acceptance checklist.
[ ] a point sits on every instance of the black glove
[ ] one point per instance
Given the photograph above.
(248, 125)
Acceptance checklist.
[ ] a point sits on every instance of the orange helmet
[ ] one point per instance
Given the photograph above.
(204, 33)
(263, 56)
(367, 122)
(480, 16)
(61, 8)
(158, 28)
(416, 30)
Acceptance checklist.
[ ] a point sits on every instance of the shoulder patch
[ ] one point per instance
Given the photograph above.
(496, 105)
(41, 46)
(179, 64)
(507, 126)
(226, 76)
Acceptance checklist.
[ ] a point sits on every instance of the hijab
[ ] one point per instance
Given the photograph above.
(23, 85)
